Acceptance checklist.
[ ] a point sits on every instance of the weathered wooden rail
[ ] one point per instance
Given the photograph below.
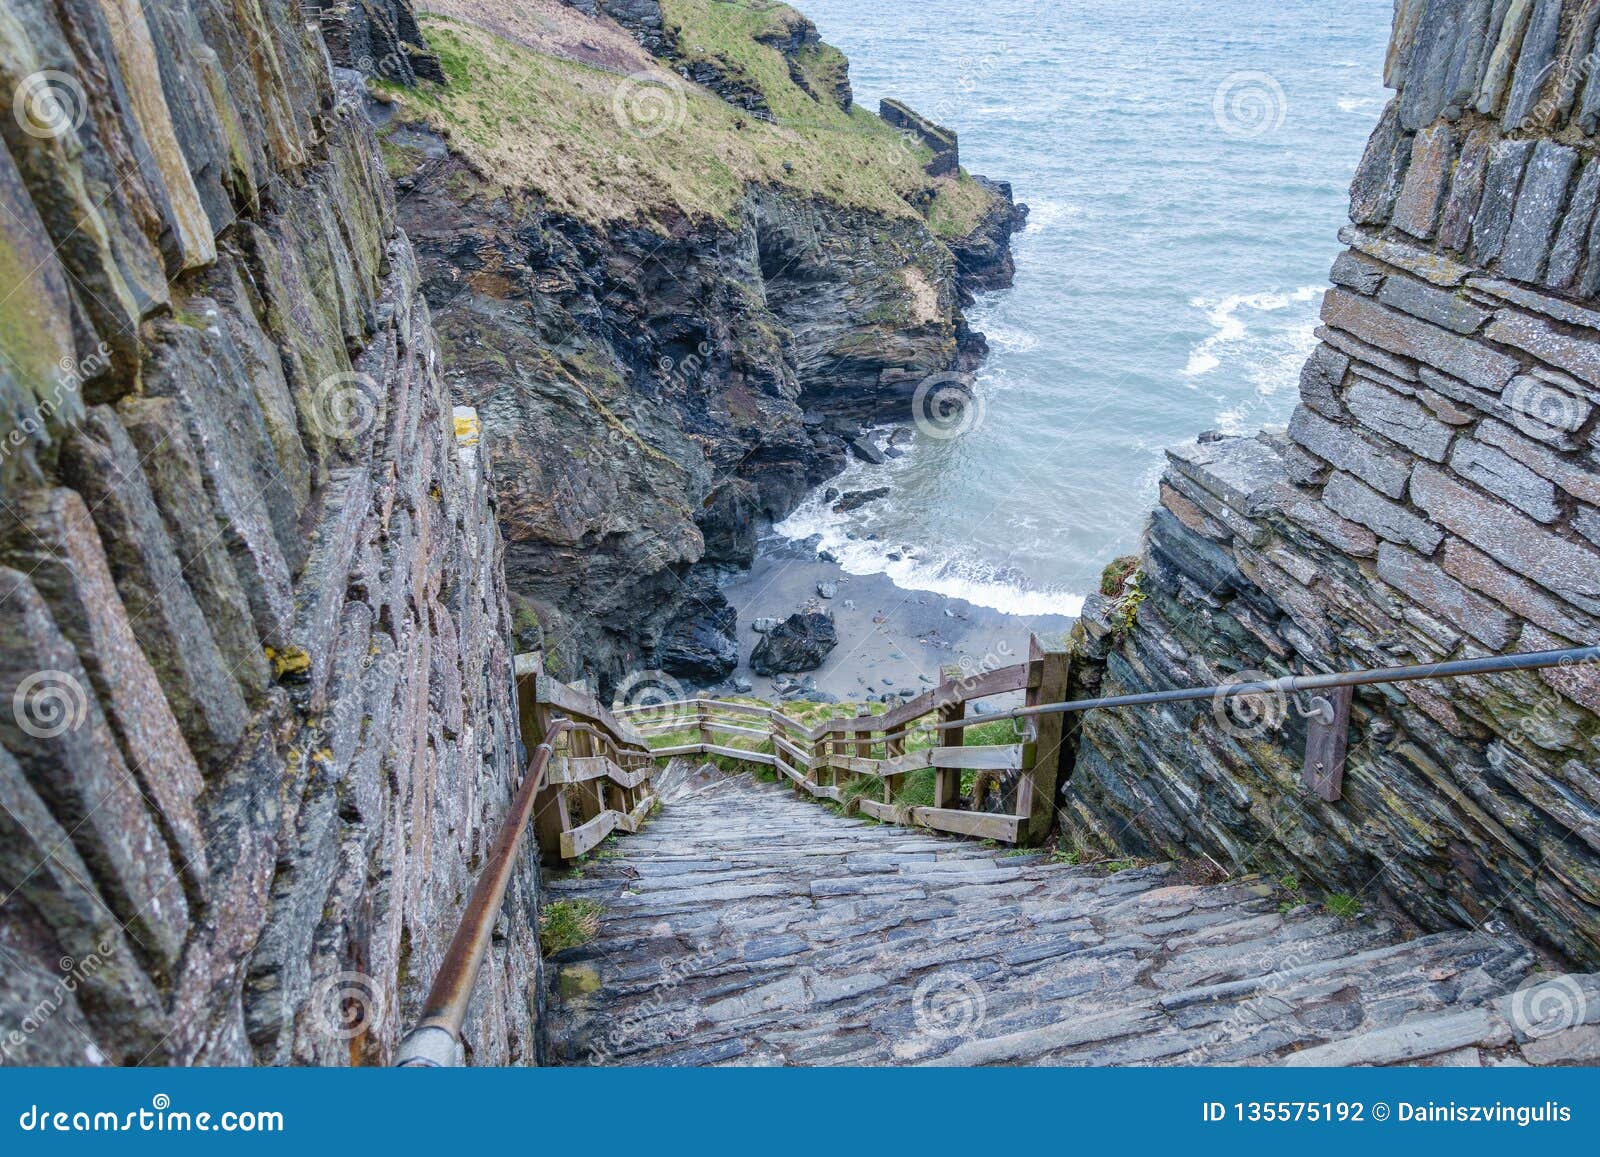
(829, 760)
(598, 781)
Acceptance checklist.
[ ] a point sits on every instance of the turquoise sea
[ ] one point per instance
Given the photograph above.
(1186, 163)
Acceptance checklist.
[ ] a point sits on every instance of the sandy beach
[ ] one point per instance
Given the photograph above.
(890, 640)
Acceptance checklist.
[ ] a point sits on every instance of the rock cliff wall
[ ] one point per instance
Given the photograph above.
(659, 367)
(1436, 495)
(255, 678)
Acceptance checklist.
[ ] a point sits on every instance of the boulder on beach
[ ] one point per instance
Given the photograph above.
(799, 643)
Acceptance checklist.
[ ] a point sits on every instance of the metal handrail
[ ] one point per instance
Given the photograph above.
(433, 1042)
(1289, 684)
(435, 1039)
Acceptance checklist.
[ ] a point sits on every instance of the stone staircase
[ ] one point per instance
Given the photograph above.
(746, 927)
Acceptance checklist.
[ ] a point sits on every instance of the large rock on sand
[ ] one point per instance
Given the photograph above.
(799, 643)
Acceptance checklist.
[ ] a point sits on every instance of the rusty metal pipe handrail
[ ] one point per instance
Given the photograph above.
(432, 1043)
(1289, 684)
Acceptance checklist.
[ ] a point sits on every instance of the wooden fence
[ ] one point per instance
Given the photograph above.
(829, 760)
(599, 777)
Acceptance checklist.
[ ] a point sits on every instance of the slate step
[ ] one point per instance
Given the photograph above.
(745, 926)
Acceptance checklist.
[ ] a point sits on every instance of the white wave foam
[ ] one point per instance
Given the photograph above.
(1043, 213)
(1009, 338)
(1228, 328)
(1276, 366)
(1359, 104)
(946, 575)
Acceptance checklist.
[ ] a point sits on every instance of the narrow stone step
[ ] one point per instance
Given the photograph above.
(745, 926)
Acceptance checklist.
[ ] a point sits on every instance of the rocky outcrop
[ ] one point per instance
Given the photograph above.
(377, 38)
(946, 152)
(983, 256)
(1436, 495)
(816, 67)
(641, 18)
(257, 725)
(653, 392)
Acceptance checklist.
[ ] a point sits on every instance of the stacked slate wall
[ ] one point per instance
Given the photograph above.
(1436, 495)
(256, 717)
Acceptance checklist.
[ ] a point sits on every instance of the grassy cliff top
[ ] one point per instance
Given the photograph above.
(604, 145)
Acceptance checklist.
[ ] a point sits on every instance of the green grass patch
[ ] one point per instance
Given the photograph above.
(568, 924)
(1341, 905)
(1115, 575)
(533, 122)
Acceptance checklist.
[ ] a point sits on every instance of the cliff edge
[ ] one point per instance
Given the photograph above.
(675, 268)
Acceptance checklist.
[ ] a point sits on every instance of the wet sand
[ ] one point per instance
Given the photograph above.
(890, 640)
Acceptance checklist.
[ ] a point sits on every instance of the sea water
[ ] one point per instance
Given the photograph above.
(1187, 165)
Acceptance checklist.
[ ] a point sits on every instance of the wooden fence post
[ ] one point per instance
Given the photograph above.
(1041, 754)
(947, 780)
(893, 748)
(551, 813)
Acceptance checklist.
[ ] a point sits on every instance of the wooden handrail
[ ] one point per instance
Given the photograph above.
(844, 746)
(814, 758)
(981, 685)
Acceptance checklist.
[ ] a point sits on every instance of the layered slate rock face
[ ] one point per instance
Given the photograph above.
(255, 716)
(378, 38)
(1436, 495)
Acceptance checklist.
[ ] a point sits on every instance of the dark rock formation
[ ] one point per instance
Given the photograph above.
(816, 67)
(257, 725)
(1435, 496)
(856, 499)
(642, 18)
(983, 257)
(645, 396)
(946, 151)
(376, 38)
(701, 643)
(799, 643)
